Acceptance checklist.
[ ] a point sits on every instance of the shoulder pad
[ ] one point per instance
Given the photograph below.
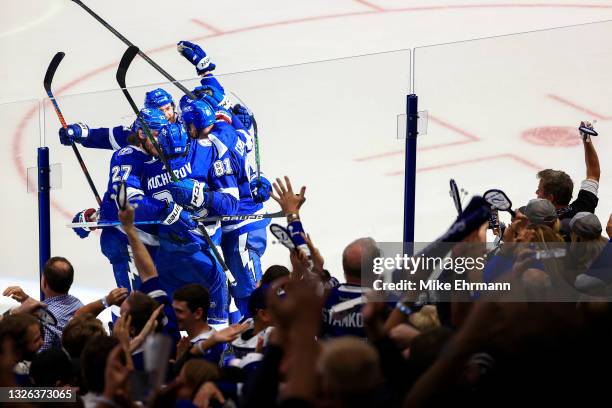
(125, 150)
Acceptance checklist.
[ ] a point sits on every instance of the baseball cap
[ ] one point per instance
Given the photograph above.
(540, 211)
(586, 225)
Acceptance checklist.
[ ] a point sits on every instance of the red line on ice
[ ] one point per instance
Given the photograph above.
(370, 5)
(470, 161)
(578, 107)
(207, 26)
(471, 138)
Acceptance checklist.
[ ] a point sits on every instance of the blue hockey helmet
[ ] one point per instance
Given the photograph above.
(197, 112)
(157, 98)
(172, 139)
(154, 118)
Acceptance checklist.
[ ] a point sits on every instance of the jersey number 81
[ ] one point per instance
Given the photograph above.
(222, 167)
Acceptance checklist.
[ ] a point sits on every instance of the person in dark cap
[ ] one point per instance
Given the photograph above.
(540, 211)
(586, 245)
(586, 226)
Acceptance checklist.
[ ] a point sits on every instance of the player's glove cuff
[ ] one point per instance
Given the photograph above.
(78, 132)
(174, 215)
(198, 195)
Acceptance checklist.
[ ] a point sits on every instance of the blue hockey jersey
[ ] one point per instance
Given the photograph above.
(240, 142)
(349, 323)
(127, 165)
(208, 161)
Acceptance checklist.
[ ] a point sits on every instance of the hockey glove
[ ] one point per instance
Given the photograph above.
(196, 56)
(189, 193)
(75, 132)
(260, 189)
(178, 219)
(89, 215)
(244, 115)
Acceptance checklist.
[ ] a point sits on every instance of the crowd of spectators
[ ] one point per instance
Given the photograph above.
(295, 351)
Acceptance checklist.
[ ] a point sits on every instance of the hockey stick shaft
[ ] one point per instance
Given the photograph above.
(124, 64)
(47, 84)
(130, 44)
(222, 218)
(255, 135)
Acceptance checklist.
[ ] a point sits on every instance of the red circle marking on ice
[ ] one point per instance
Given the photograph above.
(555, 136)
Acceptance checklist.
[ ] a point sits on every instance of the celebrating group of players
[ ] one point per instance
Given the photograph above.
(210, 148)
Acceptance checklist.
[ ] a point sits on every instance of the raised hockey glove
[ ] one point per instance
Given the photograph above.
(178, 219)
(260, 189)
(196, 56)
(88, 215)
(189, 193)
(75, 132)
(244, 115)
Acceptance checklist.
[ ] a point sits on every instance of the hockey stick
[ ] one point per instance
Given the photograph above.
(47, 84)
(129, 44)
(255, 135)
(221, 218)
(124, 64)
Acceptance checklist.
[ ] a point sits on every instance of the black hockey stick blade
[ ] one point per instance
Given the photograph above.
(57, 58)
(124, 64)
(455, 195)
(51, 71)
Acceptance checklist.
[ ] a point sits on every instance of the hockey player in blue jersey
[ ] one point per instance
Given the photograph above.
(117, 137)
(160, 99)
(126, 165)
(243, 242)
(204, 189)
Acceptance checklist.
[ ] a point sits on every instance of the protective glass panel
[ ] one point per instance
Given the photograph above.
(501, 109)
(330, 126)
(19, 241)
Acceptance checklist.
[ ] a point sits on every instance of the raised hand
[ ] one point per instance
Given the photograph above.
(230, 333)
(117, 296)
(148, 328)
(286, 198)
(116, 376)
(208, 392)
(15, 292)
(315, 254)
(196, 55)
(127, 217)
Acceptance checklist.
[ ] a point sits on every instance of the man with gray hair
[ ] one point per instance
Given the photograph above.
(357, 260)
